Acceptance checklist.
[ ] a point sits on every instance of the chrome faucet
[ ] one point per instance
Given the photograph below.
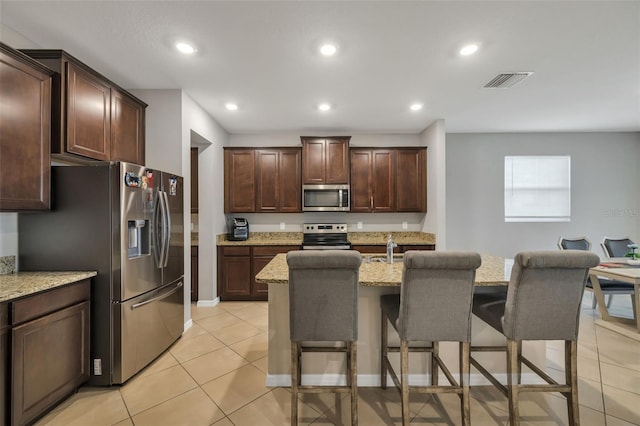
(390, 246)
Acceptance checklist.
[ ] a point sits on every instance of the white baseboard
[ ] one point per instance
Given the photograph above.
(373, 380)
(188, 325)
(207, 303)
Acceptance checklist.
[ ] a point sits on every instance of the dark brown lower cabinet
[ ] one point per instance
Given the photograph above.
(194, 273)
(234, 273)
(238, 267)
(365, 249)
(4, 363)
(49, 349)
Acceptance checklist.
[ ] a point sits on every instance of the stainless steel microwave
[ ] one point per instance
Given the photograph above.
(325, 198)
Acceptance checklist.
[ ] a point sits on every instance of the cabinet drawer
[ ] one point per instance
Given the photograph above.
(272, 250)
(419, 247)
(44, 303)
(236, 251)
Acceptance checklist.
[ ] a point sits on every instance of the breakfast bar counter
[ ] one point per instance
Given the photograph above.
(378, 278)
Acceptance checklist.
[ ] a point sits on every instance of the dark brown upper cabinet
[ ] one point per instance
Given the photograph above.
(411, 180)
(25, 132)
(388, 180)
(239, 180)
(93, 118)
(278, 187)
(325, 160)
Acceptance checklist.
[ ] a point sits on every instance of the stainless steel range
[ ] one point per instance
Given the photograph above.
(325, 236)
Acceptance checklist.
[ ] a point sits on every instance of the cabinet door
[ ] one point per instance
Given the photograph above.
(289, 181)
(371, 249)
(25, 137)
(88, 111)
(361, 178)
(267, 181)
(411, 182)
(194, 180)
(50, 360)
(383, 180)
(4, 363)
(239, 181)
(313, 157)
(337, 161)
(194, 273)
(234, 277)
(127, 129)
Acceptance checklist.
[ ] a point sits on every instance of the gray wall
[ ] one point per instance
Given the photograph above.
(605, 182)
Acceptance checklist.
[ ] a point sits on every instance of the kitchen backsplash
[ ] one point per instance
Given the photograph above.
(7, 265)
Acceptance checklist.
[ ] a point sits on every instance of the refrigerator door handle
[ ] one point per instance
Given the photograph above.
(157, 218)
(160, 297)
(167, 228)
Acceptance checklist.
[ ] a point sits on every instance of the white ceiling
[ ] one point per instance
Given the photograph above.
(585, 56)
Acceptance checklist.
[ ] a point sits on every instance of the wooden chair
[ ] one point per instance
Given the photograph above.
(542, 303)
(323, 307)
(434, 305)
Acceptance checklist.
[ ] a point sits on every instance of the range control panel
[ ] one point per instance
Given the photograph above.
(324, 228)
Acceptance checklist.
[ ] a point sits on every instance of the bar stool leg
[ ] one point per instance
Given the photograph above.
(465, 371)
(512, 361)
(295, 381)
(404, 380)
(571, 373)
(384, 330)
(353, 372)
(434, 365)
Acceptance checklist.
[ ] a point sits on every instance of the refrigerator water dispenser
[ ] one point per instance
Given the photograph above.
(138, 238)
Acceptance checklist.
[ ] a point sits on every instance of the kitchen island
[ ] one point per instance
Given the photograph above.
(378, 278)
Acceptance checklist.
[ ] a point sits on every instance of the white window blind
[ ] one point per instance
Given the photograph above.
(537, 188)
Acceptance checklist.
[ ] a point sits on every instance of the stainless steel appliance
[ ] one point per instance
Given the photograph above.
(325, 236)
(126, 222)
(238, 229)
(325, 198)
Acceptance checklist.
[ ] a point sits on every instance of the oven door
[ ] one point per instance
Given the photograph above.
(320, 198)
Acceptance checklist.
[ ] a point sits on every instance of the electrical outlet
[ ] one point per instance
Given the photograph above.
(404, 225)
(281, 225)
(359, 225)
(97, 367)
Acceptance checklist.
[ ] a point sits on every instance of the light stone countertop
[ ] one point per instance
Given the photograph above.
(493, 271)
(21, 284)
(356, 238)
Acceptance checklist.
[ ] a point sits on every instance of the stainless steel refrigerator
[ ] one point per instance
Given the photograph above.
(126, 222)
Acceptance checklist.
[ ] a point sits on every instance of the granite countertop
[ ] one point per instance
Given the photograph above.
(21, 284)
(356, 238)
(493, 271)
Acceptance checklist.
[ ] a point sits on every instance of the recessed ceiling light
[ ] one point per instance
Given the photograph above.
(324, 106)
(469, 49)
(231, 106)
(186, 48)
(328, 49)
(416, 107)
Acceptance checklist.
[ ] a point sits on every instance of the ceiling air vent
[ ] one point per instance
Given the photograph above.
(507, 80)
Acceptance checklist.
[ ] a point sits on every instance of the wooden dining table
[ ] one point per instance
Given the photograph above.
(617, 269)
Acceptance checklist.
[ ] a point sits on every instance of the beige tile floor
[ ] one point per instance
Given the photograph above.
(215, 375)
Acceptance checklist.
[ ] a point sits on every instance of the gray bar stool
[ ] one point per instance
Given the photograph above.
(542, 303)
(323, 307)
(434, 305)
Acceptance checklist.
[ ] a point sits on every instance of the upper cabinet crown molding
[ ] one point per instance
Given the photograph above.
(112, 129)
(325, 160)
(25, 132)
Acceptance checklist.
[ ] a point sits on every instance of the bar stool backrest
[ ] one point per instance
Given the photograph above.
(323, 295)
(544, 294)
(436, 295)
